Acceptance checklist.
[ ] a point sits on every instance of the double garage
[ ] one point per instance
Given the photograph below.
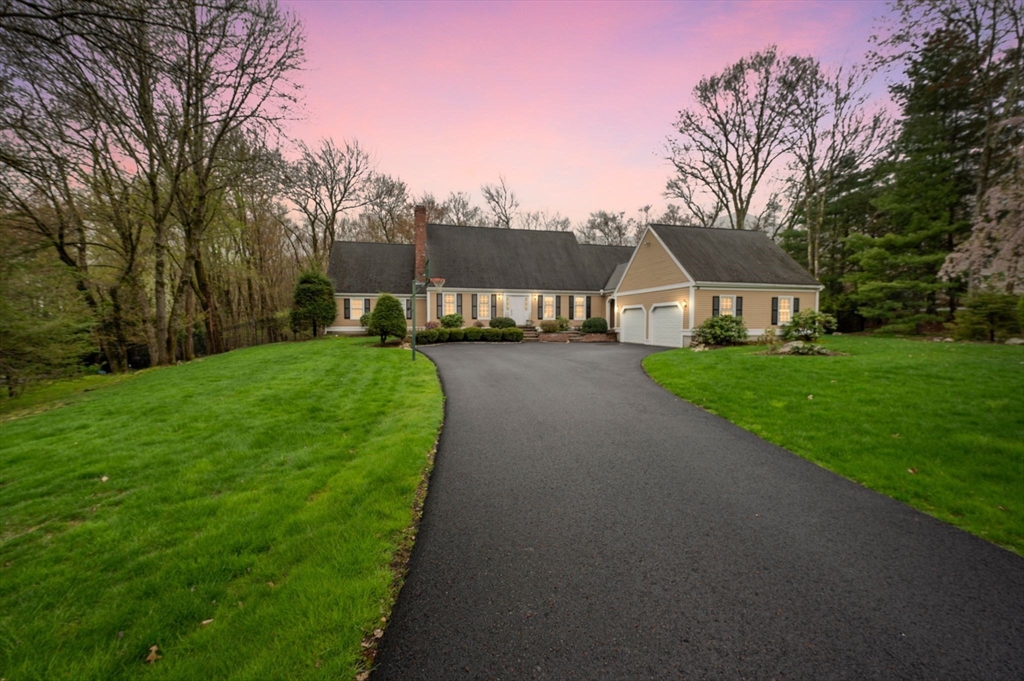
(666, 325)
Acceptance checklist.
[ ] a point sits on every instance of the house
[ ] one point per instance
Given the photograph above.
(654, 293)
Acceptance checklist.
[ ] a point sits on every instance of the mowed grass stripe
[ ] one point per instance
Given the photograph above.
(265, 489)
(951, 412)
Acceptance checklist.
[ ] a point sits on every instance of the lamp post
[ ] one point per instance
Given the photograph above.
(415, 290)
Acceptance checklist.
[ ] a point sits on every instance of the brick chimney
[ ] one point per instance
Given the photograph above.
(421, 240)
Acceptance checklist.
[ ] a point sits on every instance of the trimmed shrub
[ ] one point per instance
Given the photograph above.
(502, 323)
(426, 336)
(595, 325)
(387, 318)
(474, 333)
(563, 323)
(452, 321)
(456, 335)
(442, 335)
(313, 303)
(987, 315)
(549, 327)
(721, 330)
(365, 321)
(432, 325)
(512, 334)
(808, 326)
(492, 335)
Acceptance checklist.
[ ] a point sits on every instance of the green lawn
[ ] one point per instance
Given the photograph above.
(266, 489)
(951, 412)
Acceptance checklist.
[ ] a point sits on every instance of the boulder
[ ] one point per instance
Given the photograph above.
(1015, 341)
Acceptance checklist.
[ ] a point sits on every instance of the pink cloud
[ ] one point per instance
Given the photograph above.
(572, 102)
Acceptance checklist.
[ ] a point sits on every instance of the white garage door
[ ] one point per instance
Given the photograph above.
(667, 326)
(633, 326)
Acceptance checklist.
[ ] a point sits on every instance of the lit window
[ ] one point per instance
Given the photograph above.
(727, 306)
(449, 303)
(580, 307)
(356, 308)
(549, 307)
(785, 310)
(483, 306)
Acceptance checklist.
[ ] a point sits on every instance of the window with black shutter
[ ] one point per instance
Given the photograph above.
(366, 306)
(408, 308)
(540, 307)
(348, 308)
(474, 301)
(572, 307)
(715, 303)
(775, 311)
(558, 306)
(739, 306)
(458, 304)
(588, 307)
(440, 305)
(796, 304)
(494, 306)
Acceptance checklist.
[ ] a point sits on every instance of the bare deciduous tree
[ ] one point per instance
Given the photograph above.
(387, 217)
(502, 202)
(459, 210)
(610, 229)
(831, 130)
(324, 183)
(733, 135)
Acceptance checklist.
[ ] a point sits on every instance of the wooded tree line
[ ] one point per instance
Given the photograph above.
(897, 215)
(152, 206)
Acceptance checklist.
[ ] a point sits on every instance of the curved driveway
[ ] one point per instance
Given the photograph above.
(584, 523)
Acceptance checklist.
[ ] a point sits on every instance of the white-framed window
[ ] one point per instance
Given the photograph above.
(449, 303)
(727, 306)
(549, 307)
(785, 309)
(579, 306)
(356, 308)
(483, 306)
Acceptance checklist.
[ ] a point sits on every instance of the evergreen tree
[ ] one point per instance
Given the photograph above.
(313, 305)
(387, 318)
(925, 206)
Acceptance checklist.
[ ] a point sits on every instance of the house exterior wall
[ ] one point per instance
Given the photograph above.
(348, 326)
(652, 266)
(597, 307)
(757, 305)
(649, 300)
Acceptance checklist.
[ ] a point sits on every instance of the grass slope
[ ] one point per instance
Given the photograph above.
(265, 489)
(952, 412)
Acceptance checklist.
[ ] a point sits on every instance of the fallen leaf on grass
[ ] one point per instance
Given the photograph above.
(205, 622)
(912, 471)
(153, 655)
(895, 434)
(810, 397)
(270, 584)
(377, 633)
(104, 479)
(362, 676)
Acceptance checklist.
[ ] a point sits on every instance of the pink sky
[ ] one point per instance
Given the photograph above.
(570, 101)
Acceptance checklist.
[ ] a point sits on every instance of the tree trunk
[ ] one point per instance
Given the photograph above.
(214, 342)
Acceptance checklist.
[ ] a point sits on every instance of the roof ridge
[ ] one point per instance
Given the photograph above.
(369, 243)
(726, 230)
(505, 229)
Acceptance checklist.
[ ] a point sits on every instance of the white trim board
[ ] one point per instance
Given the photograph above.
(654, 289)
(737, 286)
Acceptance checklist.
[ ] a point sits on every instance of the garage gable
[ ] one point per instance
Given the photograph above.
(652, 266)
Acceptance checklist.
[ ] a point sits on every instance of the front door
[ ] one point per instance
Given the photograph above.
(518, 308)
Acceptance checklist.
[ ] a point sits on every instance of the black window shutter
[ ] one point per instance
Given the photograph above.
(440, 305)
(775, 311)
(366, 305)
(796, 304)
(588, 307)
(474, 301)
(558, 306)
(458, 303)
(494, 306)
(572, 307)
(408, 308)
(348, 308)
(739, 306)
(540, 307)
(714, 305)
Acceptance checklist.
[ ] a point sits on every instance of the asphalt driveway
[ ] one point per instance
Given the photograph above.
(584, 523)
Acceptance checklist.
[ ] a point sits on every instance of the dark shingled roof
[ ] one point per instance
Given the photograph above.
(357, 267)
(485, 257)
(732, 255)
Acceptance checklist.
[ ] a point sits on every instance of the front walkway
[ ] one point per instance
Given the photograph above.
(584, 523)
